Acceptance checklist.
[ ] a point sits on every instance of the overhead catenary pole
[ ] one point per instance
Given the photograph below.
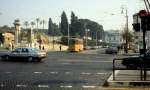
(68, 35)
(127, 31)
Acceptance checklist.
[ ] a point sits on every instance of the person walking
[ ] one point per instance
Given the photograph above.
(60, 47)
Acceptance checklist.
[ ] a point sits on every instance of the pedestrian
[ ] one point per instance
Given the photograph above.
(12, 46)
(43, 48)
(60, 47)
(118, 47)
(40, 47)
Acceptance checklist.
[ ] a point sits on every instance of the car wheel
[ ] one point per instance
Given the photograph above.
(30, 59)
(6, 57)
(39, 60)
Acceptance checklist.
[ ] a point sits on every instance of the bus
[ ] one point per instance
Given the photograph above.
(75, 45)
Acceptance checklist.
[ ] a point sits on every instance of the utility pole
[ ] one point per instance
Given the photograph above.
(96, 39)
(126, 31)
(68, 35)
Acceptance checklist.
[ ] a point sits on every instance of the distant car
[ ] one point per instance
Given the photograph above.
(111, 50)
(25, 53)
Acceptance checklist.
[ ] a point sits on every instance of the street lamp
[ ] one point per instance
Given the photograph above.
(86, 34)
(68, 35)
(126, 33)
(96, 39)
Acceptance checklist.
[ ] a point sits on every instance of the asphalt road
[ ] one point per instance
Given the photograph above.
(60, 70)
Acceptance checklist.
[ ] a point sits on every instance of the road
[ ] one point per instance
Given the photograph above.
(60, 70)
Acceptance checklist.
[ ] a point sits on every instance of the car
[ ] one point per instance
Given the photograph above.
(25, 53)
(111, 50)
(136, 60)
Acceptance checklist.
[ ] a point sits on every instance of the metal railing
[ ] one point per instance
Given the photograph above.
(121, 68)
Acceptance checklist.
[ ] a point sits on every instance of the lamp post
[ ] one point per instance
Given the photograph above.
(86, 34)
(96, 39)
(126, 30)
(68, 35)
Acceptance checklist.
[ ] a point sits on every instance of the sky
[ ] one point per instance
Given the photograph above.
(105, 12)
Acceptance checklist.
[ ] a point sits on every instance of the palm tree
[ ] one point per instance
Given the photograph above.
(43, 23)
(32, 24)
(37, 20)
(26, 23)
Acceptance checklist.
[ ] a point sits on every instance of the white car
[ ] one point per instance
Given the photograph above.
(25, 53)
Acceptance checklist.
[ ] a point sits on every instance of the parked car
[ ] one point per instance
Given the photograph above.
(25, 53)
(137, 60)
(111, 50)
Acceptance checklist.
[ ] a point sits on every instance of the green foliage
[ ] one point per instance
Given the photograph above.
(127, 35)
(64, 40)
(75, 26)
(56, 30)
(64, 24)
(50, 27)
(5, 28)
(53, 29)
(93, 27)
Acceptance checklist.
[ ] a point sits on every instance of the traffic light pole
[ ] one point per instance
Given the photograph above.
(143, 15)
(143, 23)
(144, 48)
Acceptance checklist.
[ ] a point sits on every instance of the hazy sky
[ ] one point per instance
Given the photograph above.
(97, 10)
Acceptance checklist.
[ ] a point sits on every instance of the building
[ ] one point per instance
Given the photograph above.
(113, 37)
(7, 39)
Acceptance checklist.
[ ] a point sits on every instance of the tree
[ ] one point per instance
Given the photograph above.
(26, 23)
(32, 24)
(74, 25)
(64, 24)
(127, 37)
(43, 22)
(56, 30)
(50, 27)
(93, 27)
(37, 20)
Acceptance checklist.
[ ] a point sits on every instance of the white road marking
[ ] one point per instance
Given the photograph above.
(22, 72)
(65, 63)
(2, 85)
(94, 61)
(83, 73)
(37, 72)
(19, 85)
(43, 86)
(67, 72)
(101, 73)
(53, 72)
(8, 72)
(66, 86)
(84, 86)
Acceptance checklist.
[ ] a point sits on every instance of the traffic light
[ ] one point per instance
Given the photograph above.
(144, 20)
(136, 27)
(148, 23)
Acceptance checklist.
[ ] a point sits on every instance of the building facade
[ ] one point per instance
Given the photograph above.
(113, 37)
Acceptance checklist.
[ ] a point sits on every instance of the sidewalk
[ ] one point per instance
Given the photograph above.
(47, 47)
(55, 47)
(128, 78)
(130, 53)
